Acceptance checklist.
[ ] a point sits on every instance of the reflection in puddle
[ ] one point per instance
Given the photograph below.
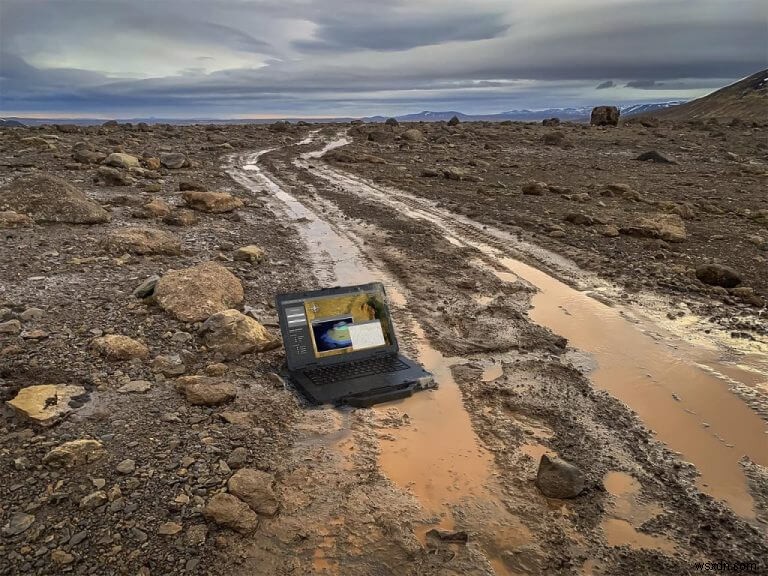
(627, 513)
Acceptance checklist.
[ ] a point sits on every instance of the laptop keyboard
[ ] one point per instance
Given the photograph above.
(356, 369)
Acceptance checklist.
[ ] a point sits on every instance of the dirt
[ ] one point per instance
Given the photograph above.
(359, 490)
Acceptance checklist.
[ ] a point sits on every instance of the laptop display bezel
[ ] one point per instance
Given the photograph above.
(284, 301)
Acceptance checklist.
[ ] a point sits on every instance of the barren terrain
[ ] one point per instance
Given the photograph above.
(203, 461)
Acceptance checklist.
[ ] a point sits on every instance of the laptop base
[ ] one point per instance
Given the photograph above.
(365, 391)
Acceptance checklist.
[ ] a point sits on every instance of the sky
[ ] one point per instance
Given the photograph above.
(312, 58)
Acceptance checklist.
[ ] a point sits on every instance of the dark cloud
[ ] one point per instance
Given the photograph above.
(250, 57)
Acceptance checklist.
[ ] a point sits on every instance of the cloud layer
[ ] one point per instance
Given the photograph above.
(180, 58)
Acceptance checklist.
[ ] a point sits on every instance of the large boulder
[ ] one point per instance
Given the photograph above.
(120, 160)
(230, 512)
(74, 453)
(142, 240)
(234, 334)
(255, 488)
(45, 404)
(119, 347)
(206, 391)
(413, 135)
(193, 294)
(718, 275)
(669, 227)
(557, 478)
(215, 202)
(46, 198)
(604, 116)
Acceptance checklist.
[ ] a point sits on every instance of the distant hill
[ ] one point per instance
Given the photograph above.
(745, 100)
(10, 123)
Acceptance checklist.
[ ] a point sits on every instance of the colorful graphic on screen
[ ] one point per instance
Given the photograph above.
(332, 334)
(348, 323)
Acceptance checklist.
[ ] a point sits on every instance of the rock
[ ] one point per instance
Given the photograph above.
(112, 176)
(579, 219)
(604, 116)
(205, 391)
(609, 231)
(216, 369)
(93, 500)
(169, 365)
(74, 453)
(193, 294)
(669, 227)
(157, 208)
(142, 240)
(118, 347)
(413, 135)
(135, 387)
(534, 188)
(83, 153)
(146, 288)
(214, 202)
(181, 218)
(31, 314)
(61, 557)
(196, 535)
(559, 479)
(18, 523)
(455, 173)
(430, 173)
(391, 122)
(173, 160)
(126, 467)
(186, 185)
(255, 488)
(454, 121)
(551, 122)
(553, 138)
(238, 458)
(120, 160)
(169, 528)
(717, 275)
(47, 198)
(45, 404)
(250, 253)
(231, 512)
(233, 334)
(10, 327)
(654, 156)
(11, 219)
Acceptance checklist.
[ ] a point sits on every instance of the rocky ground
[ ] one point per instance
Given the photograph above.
(146, 432)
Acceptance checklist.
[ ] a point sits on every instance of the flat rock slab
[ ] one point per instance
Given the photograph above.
(142, 240)
(74, 453)
(45, 404)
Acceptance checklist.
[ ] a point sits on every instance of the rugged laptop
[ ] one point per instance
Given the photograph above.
(340, 347)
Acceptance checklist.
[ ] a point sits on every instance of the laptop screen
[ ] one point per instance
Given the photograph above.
(340, 324)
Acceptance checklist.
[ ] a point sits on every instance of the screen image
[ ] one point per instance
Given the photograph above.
(348, 323)
(332, 334)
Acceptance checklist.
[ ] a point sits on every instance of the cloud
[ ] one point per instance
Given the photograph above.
(235, 57)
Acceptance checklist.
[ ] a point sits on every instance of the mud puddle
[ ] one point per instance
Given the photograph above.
(437, 457)
(653, 371)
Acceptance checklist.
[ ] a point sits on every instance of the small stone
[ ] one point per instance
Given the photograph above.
(18, 523)
(212, 202)
(146, 288)
(238, 457)
(233, 334)
(255, 488)
(559, 479)
(196, 535)
(216, 369)
(74, 453)
(252, 254)
(534, 188)
(231, 512)
(139, 535)
(120, 160)
(31, 314)
(10, 327)
(93, 500)
(654, 156)
(118, 347)
(173, 160)
(168, 365)
(61, 557)
(135, 387)
(169, 528)
(127, 466)
(204, 391)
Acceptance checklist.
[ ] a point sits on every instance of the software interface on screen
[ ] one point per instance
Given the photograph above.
(347, 323)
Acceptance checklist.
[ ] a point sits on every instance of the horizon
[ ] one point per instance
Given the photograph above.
(264, 59)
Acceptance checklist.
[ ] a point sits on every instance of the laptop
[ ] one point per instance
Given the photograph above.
(341, 348)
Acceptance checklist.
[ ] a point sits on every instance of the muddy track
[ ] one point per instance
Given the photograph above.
(461, 299)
